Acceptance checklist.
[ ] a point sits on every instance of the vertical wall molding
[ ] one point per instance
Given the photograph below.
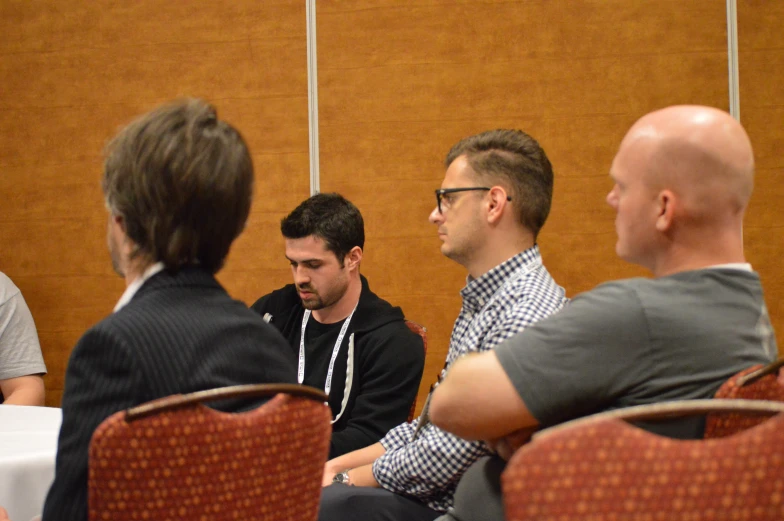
(313, 124)
(732, 55)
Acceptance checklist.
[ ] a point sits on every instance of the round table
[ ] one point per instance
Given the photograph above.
(28, 444)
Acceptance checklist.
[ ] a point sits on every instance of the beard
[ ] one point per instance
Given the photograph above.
(316, 301)
(313, 303)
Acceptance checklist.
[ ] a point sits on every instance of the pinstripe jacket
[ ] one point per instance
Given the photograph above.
(179, 333)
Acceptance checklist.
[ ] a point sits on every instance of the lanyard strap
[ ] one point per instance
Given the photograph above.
(301, 363)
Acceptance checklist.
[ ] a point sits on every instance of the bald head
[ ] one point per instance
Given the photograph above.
(701, 153)
(683, 178)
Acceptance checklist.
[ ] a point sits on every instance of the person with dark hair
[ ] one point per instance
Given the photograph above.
(178, 184)
(493, 201)
(349, 342)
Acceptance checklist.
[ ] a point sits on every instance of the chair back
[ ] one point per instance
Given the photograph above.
(422, 332)
(174, 458)
(755, 383)
(602, 468)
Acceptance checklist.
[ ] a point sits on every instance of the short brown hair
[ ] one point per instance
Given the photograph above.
(514, 157)
(182, 180)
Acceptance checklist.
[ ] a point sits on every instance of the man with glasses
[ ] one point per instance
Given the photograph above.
(493, 201)
(348, 341)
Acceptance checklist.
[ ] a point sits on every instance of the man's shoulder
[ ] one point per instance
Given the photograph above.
(281, 300)
(374, 313)
(535, 288)
(7, 288)
(616, 295)
(693, 283)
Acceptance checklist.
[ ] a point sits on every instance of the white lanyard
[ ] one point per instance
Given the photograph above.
(301, 364)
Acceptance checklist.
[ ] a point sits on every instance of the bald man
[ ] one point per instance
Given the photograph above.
(682, 180)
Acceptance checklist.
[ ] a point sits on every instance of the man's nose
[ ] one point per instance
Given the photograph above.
(435, 216)
(301, 276)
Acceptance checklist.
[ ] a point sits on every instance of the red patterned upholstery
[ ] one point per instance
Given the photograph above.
(603, 469)
(754, 383)
(192, 462)
(421, 331)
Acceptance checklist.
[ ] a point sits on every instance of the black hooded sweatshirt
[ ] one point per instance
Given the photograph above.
(388, 360)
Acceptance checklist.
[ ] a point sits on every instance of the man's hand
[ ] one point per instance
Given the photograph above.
(358, 477)
(3, 514)
(507, 445)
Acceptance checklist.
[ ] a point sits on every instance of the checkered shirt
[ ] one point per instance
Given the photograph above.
(496, 306)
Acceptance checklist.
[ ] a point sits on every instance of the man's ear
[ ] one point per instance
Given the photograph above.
(666, 204)
(119, 221)
(496, 203)
(353, 258)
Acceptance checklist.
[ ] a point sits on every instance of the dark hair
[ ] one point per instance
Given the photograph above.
(516, 158)
(182, 181)
(332, 218)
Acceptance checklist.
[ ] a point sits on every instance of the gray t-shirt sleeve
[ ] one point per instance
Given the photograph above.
(577, 361)
(20, 351)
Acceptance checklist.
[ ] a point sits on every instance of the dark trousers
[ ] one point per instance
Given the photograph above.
(478, 496)
(345, 503)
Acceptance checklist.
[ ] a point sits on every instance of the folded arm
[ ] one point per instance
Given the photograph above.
(477, 400)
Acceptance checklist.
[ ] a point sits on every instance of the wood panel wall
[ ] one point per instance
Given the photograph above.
(399, 82)
(72, 74)
(761, 57)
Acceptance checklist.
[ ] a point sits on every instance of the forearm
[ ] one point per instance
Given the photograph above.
(357, 458)
(363, 476)
(352, 460)
(477, 400)
(428, 466)
(24, 390)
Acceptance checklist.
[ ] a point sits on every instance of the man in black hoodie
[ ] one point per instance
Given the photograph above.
(348, 341)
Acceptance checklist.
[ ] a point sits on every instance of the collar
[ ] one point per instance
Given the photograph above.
(134, 286)
(740, 266)
(478, 291)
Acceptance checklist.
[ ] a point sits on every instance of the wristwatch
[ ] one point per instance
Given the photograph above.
(342, 477)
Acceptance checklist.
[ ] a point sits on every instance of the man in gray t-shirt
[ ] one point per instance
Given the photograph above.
(21, 363)
(683, 177)
(642, 341)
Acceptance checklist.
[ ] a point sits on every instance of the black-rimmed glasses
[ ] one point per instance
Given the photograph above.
(441, 192)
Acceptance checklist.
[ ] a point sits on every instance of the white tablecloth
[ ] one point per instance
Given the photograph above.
(28, 444)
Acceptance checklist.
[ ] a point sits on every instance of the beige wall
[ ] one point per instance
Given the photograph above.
(399, 83)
